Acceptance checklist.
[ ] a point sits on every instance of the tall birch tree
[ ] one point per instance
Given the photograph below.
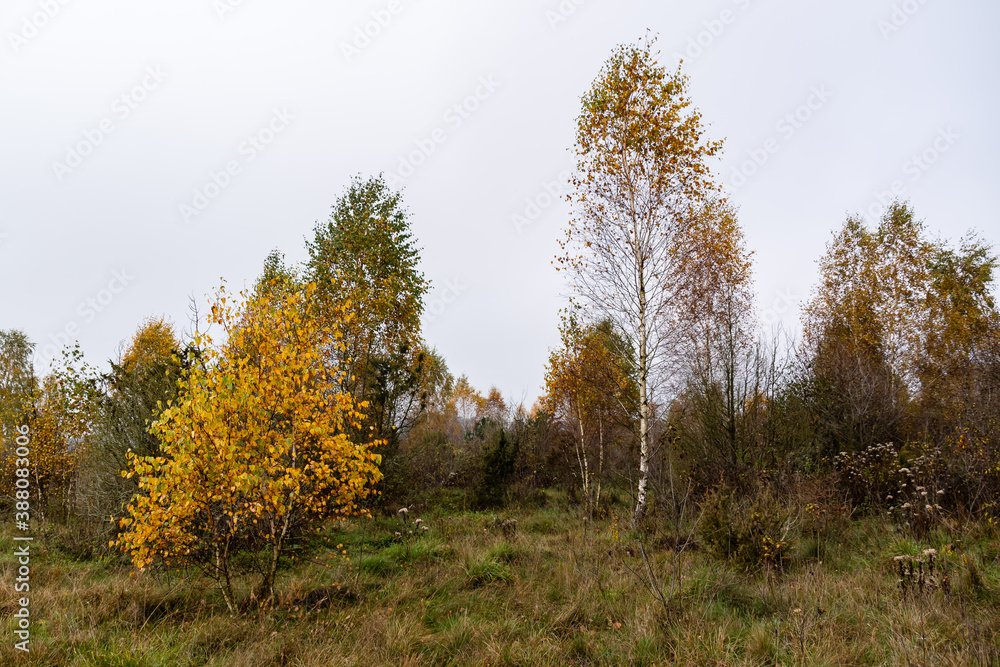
(641, 179)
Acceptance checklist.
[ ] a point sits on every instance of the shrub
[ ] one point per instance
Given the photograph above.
(923, 485)
(869, 476)
(499, 462)
(752, 529)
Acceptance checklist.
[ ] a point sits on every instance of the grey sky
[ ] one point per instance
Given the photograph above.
(260, 108)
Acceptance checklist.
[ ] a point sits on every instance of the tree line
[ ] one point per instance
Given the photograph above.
(313, 395)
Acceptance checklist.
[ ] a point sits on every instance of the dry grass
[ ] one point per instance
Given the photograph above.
(556, 592)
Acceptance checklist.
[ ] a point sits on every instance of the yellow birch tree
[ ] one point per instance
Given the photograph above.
(255, 448)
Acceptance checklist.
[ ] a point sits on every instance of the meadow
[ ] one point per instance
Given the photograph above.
(537, 584)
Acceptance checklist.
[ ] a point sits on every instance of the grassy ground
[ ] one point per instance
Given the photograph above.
(555, 590)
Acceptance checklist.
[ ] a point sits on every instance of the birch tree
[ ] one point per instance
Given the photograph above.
(365, 262)
(255, 449)
(590, 388)
(17, 381)
(641, 179)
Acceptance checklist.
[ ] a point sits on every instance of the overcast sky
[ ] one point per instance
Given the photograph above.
(151, 149)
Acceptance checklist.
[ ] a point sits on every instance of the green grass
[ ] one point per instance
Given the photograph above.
(556, 592)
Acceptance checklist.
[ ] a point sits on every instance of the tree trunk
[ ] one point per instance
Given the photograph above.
(265, 591)
(640, 507)
(600, 458)
(731, 352)
(581, 456)
(222, 570)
